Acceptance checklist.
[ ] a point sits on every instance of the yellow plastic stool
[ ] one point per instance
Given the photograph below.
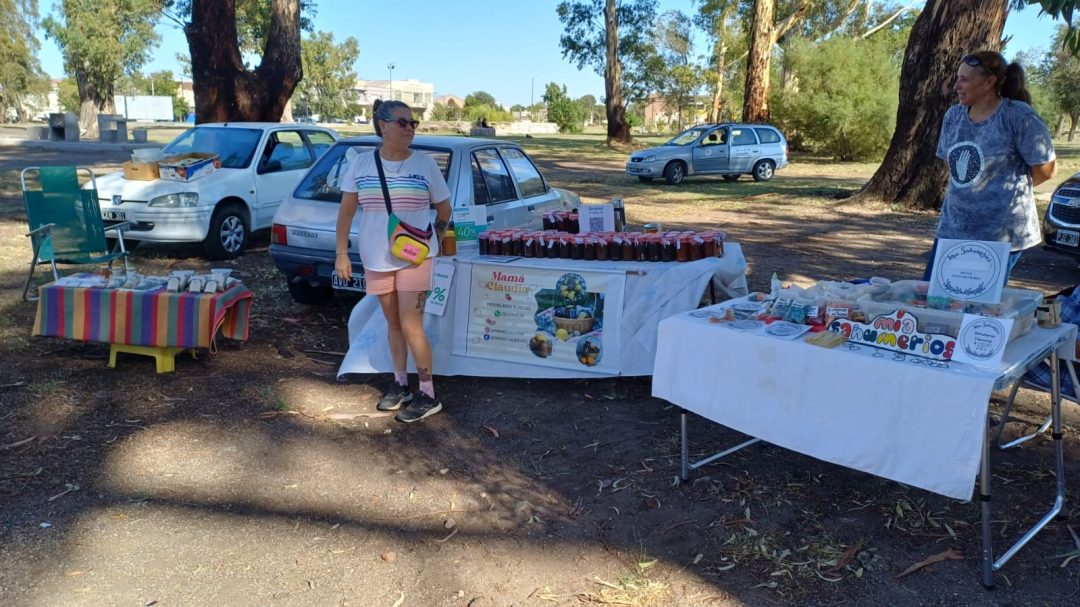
(164, 355)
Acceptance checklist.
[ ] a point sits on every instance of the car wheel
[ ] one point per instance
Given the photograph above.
(228, 233)
(304, 293)
(763, 170)
(674, 173)
(644, 178)
(730, 178)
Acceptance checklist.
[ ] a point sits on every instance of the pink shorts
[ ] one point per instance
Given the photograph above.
(412, 279)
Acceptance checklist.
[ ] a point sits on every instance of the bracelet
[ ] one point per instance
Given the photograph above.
(342, 252)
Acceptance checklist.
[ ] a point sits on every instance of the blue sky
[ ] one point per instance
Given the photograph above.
(509, 49)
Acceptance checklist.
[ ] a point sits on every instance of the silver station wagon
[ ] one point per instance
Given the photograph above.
(726, 149)
(497, 175)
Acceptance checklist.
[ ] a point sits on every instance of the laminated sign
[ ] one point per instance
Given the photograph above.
(543, 316)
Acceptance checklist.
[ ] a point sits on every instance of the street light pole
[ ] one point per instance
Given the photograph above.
(390, 67)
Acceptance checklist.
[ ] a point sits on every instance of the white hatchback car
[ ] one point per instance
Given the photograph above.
(260, 164)
(495, 174)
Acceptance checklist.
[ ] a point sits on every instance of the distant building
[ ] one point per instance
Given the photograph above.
(450, 100)
(420, 96)
(661, 113)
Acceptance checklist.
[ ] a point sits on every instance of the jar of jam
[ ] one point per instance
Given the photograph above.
(682, 248)
(482, 242)
(549, 220)
(506, 244)
(697, 248)
(572, 224)
(538, 244)
(577, 247)
(601, 248)
(718, 244)
(517, 242)
(667, 248)
(614, 248)
(641, 248)
(710, 244)
(527, 249)
(560, 220)
(564, 247)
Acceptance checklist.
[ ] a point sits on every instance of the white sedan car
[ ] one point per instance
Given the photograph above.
(260, 164)
(498, 175)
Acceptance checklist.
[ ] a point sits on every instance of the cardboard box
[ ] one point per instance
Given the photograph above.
(141, 171)
(188, 167)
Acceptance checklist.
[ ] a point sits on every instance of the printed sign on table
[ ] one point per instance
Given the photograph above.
(982, 340)
(897, 331)
(970, 270)
(442, 278)
(468, 223)
(543, 316)
(596, 218)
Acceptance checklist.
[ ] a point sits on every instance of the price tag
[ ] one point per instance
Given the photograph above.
(442, 277)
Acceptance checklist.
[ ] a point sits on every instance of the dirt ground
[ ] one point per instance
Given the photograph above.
(252, 477)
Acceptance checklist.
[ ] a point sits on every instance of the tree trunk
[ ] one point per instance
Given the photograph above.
(945, 31)
(88, 106)
(1072, 125)
(224, 89)
(756, 96)
(718, 92)
(617, 128)
(1059, 129)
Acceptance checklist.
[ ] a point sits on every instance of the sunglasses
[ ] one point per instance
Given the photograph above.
(404, 122)
(972, 60)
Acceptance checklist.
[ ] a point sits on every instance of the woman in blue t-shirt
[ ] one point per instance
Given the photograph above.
(997, 149)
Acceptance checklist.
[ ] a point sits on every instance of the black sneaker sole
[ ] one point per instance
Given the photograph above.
(428, 413)
(395, 406)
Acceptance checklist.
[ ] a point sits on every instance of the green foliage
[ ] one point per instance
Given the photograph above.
(102, 40)
(21, 77)
(1064, 76)
(328, 87)
(584, 41)
(845, 97)
(447, 112)
(483, 111)
(562, 110)
(480, 98)
(69, 95)
(679, 79)
(1037, 70)
(1064, 10)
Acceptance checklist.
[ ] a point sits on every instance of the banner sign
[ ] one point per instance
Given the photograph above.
(543, 316)
(442, 278)
(897, 331)
(982, 340)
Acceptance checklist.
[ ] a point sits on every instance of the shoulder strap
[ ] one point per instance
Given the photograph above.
(382, 182)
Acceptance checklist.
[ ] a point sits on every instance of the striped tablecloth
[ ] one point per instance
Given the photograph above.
(142, 318)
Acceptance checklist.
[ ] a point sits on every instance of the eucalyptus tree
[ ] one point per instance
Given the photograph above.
(101, 40)
(612, 37)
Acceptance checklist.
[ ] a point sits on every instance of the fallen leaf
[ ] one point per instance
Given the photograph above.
(844, 558)
(401, 599)
(17, 444)
(389, 557)
(493, 431)
(951, 554)
(450, 523)
(651, 503)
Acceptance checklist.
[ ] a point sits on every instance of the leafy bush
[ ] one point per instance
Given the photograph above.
(844, 97)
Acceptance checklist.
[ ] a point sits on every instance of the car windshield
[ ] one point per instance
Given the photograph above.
(323, 181)
(234, 146)
(687, 137)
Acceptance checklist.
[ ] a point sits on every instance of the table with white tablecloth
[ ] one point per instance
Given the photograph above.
(651, 291)
(898, 416)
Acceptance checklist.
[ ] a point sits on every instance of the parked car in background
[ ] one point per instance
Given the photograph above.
(1061, 224)
(496, 174)
(260, 165)
(726, 149)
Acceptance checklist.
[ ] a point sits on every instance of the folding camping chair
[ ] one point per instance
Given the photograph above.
(65, 222)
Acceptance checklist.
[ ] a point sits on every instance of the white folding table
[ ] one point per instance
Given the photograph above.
(921, 422)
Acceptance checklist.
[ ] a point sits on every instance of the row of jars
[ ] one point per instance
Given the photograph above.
(562, 221)
(604, 246)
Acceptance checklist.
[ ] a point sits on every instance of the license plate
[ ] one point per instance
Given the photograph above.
(635, 170)
(1067, 237)
(114, 215)
(356, 283)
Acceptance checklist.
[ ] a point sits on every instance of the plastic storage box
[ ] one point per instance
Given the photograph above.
(943, 315)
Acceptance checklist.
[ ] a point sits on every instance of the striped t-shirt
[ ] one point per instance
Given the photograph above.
(414, 183)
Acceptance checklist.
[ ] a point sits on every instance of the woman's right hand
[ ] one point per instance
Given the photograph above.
(343, 266)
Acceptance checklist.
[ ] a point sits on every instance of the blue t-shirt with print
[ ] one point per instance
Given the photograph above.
(989, 195)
